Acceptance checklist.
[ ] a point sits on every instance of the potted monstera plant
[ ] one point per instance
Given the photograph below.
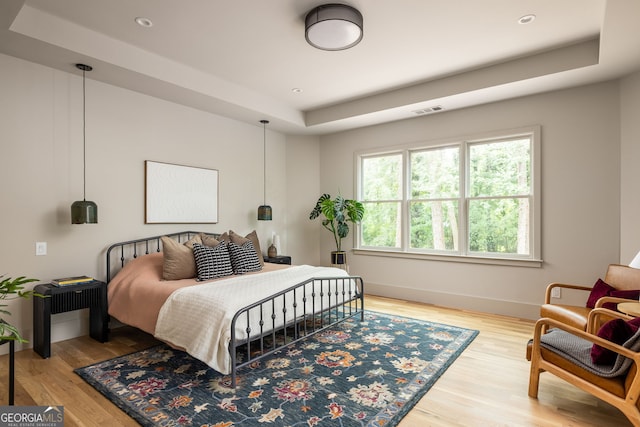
(338, 213)
(11, 289)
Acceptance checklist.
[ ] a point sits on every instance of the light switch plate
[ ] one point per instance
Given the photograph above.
(41, 248)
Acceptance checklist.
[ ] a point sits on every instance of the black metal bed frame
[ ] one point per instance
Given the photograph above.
(275, 321)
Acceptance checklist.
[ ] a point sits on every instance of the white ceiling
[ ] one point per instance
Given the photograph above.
(242, 58)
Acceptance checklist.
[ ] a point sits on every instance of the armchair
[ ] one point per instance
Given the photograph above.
(622, 278)
(565, 352)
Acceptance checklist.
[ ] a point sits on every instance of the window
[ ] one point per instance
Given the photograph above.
(476, 198)
(382, 190)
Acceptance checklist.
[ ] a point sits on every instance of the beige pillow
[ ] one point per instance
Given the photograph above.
(252, 237)
(179, 262)
(209, 240)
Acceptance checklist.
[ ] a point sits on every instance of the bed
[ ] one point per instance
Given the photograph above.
(231, 321)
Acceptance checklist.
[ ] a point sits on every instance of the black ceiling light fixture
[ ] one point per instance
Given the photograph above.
(84, 211)
(333, 27)
(264, 211)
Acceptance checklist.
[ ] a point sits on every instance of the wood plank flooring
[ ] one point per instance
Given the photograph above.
(486, 386)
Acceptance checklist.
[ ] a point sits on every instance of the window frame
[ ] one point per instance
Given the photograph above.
(533, 259)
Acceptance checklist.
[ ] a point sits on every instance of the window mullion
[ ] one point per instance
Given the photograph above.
(406, 197)
(463, 233)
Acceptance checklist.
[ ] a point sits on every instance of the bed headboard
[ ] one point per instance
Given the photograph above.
(119, 253)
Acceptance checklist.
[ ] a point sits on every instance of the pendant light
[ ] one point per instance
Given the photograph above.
(84, 212)
(264, 211)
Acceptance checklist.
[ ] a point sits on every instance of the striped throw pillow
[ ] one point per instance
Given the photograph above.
(244, 258)
(212, 262)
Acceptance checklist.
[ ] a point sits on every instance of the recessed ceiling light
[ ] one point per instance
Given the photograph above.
(296, 90)
(144, 22)
(526, 19)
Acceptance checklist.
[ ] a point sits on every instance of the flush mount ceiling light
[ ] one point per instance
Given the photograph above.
(333, 27)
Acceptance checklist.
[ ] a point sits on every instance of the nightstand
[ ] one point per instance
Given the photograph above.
(60, 299)
(280, 259)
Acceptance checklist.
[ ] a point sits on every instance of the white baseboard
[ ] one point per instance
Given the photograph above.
(463, 302)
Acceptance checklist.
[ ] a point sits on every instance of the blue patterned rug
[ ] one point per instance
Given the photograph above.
(352, 374)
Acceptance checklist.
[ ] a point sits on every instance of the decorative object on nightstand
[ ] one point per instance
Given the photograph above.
(279, 259)
(60, 299)
(75, 280)
(272, 252)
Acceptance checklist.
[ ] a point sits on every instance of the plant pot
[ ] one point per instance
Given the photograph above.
(338, 257)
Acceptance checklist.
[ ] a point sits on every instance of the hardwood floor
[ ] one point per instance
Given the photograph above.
(485, 386)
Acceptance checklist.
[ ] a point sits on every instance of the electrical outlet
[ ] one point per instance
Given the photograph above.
(556, 293)
(41, 248)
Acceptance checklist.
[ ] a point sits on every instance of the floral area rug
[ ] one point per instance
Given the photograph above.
(356, 373)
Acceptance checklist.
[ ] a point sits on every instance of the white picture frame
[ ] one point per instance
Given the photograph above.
(177, 194)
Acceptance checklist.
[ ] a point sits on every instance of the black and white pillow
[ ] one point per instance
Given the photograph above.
(244, 258)
(212, 262)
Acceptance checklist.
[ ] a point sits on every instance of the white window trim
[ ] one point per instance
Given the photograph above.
(533, 260)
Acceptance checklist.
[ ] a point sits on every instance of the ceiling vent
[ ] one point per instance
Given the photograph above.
(428, 110)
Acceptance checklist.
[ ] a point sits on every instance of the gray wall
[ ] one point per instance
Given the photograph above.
(630, 172)
(580, 199)
(41, 175)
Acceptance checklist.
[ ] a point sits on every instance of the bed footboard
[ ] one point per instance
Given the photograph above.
(266, 326)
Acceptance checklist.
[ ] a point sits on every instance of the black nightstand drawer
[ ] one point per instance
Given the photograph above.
(76, 299)
(280, 259)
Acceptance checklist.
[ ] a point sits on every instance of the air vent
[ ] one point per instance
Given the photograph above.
(428, 110)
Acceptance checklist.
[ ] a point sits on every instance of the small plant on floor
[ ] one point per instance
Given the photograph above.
(12, 289)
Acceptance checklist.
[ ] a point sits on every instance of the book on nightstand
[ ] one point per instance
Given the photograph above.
(76, 280)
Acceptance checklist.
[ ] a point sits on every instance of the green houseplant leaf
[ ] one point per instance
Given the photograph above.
(338, 213)
(12, 289)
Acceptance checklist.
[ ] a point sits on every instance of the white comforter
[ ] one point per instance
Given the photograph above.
(198, 318)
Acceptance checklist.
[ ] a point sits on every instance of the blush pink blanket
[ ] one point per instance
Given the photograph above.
(138, 291)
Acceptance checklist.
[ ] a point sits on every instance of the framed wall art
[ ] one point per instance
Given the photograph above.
(180, 194)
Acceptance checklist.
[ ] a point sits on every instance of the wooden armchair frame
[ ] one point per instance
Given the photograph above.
(626, 400)
(621, 277)
(599, 304)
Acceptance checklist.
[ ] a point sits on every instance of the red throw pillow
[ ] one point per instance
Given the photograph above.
(599, 290)
(617, 331)
(630, 294)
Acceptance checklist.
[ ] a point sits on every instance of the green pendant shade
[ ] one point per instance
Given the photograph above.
(84, 212)
(264, 213)
(264, 210)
